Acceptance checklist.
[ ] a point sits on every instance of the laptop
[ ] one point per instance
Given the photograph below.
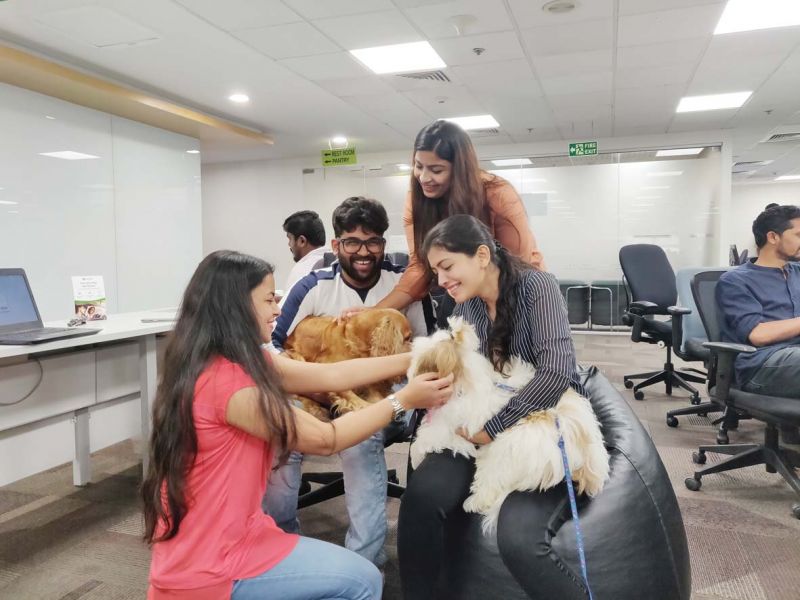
(20, 322)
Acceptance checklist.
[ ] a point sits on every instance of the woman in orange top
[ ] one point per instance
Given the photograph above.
(221, 412)
(447, 180)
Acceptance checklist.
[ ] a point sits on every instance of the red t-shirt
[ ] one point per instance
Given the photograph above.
(224, 535)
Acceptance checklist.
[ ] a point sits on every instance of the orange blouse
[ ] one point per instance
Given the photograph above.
(508, 223)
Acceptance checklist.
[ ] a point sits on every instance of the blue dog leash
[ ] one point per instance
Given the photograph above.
(574, 508)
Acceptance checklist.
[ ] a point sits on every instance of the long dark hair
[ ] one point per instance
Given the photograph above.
(217, 319)
(465, 234)
(466, 194)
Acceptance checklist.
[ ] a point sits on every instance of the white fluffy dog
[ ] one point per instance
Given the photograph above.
(525, 456)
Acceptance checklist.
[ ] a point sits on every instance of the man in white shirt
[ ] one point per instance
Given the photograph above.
(306, 234)
(362, 276)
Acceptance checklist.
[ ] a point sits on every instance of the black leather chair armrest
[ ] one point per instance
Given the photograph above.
(644, 307)
(677, 313)
(725, 355)
(728, 348)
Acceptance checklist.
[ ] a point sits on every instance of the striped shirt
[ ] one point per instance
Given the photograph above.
(541, 337)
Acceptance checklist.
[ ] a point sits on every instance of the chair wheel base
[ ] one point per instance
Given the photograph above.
(628, 383)
(639, 395)
(722, 439)
(694, 399)
(796, 511)
(672, 421)
(698, 458)
(692, 483)
(305, 487)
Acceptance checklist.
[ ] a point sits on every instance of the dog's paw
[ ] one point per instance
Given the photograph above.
(473, 504)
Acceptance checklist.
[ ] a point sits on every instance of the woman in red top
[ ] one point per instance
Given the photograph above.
(447, 180)
(221, 411)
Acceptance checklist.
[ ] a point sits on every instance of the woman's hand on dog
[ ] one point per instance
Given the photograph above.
(349, 312)
(479, 439)
(427, 390)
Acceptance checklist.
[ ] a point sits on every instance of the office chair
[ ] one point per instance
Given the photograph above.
(652, 284)
(688, 336)
(332, 482)
(774, 411)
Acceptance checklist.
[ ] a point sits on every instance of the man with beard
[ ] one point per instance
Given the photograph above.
(760, 305)
(361, 277)
(306, 235)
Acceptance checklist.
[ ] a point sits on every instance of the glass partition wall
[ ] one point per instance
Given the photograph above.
(582, 210)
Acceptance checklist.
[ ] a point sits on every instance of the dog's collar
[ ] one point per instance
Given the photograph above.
(507, 388)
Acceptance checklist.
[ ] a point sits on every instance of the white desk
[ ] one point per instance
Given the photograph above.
(116, 328)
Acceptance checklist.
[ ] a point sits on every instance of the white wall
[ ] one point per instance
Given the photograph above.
(132, 214)
(749, 200)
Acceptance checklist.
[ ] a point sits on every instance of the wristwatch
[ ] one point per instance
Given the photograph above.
(398, 412)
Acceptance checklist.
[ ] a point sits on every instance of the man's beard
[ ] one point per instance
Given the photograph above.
(350, 270)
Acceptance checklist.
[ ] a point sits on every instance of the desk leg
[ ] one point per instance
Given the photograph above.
(147, 384)
(81, 465)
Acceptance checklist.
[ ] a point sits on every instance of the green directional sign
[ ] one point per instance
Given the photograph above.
(583, 148)
(335, 158)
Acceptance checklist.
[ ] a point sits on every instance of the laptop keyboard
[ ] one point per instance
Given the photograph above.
(37, 334)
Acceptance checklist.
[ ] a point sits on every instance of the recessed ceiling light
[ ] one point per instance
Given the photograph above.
(512, 162)
(337, 142)
(400, 58)
(239, 98)
(788, 178)
(69, 155)
(665, 173)
(679, 152)
(7, 202)
(193, 152)
(712, 102)
(475, 122)
(49, 117)
(404, 167)
(747, 15)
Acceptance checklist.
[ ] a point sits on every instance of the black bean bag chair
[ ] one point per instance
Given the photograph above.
(633, 532)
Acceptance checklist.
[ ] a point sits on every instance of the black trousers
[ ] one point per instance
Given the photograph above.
(527, 523)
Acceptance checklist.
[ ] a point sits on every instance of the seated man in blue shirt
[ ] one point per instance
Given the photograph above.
(760, 305)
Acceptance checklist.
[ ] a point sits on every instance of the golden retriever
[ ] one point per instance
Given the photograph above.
(372, 332)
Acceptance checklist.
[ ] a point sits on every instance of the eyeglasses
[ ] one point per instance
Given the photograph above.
(353, 245)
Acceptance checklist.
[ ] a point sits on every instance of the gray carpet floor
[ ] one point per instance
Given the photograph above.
(59, 542)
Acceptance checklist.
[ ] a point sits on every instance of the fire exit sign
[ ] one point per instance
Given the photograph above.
(583, 148)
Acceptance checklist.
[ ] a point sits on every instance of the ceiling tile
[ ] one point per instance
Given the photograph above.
(513, 112)
(415, 3)
(542, 134)
(316, 9)
(497, 46)
(635, 7)
(654, 76)
(530, 14)
(457, 102)
(367, 30)
(435, 20)
(326, 66)
(585, 129)
(569, 38)
(286, 41)
(238, 14)
(371, 85)
(638, 106)
(666, 53)
(647, 129)
(515, 78)
(699, 121)
(668, 25)
(97, 26)
(733, 75)
(749, 44)
(599, 81)
(581, 107)
(556, 65)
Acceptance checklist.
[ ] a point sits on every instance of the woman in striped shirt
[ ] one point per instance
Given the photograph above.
(516, 311)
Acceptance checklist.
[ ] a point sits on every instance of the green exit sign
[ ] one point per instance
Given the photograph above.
(343, 156)
(583, 148)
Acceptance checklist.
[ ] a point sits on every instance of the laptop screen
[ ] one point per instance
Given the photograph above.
(16, 302)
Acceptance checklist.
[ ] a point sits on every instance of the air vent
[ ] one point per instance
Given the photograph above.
(429, 75)
(784, 137)
(748, 165)
(481, 133)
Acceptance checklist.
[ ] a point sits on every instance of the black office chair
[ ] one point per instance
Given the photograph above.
(332, 482)
(652, 284)
(774, 411)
